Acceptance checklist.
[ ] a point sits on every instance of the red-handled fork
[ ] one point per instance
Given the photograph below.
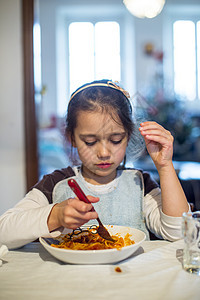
(102, 231)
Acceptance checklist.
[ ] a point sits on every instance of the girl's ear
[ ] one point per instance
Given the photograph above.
(73, 142)
(71, 139)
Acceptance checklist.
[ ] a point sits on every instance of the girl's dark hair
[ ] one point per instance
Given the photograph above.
(95, 98)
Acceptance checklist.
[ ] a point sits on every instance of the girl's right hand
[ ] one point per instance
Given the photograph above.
(71, 213)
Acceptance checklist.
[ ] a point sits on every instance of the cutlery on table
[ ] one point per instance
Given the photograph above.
(102, 231)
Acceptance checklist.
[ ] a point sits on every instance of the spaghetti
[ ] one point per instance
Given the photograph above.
(88, 239)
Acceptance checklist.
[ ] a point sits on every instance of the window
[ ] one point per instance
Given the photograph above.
(186, 53)
(94, 52)
(92, 44)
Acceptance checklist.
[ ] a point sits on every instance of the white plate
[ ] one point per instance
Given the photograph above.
(97, 256)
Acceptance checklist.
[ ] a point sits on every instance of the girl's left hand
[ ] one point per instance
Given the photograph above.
(159, 143)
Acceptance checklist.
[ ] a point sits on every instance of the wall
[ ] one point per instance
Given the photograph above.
(147, 31)
(12, 165)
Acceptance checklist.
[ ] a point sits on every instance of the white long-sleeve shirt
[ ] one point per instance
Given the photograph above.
(27, 221)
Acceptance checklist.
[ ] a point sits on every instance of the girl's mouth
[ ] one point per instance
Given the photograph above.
(104, 165)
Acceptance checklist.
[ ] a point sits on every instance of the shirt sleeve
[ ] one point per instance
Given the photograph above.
(26, 221)
(162, 225)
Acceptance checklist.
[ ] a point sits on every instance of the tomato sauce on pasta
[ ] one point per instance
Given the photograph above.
(90, 240)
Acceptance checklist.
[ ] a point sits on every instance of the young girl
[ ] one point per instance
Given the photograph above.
(99, 125)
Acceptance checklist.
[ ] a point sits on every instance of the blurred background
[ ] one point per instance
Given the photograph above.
(156, 59)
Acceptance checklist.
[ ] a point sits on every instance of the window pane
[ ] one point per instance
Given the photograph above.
(37, 56)
(107, 50)
(184, 59)
(81, 53)
(198, 57)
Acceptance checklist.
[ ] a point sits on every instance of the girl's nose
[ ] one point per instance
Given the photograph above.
(103, 151)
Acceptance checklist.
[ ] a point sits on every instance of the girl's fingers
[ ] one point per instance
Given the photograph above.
(82, 206)
(72, 213)
(151, 126)
(75, 206)
(160, 133)
(93, 199)
(159, 139)
(152, 129)
(78, 212)
(159, 142)
(164, 134)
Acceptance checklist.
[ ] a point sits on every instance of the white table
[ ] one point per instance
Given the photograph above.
(154, 272)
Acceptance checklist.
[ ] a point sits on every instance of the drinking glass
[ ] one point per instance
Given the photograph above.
(191, 235)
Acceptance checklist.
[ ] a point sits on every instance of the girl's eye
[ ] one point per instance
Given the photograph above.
(116, 142)
(90, 143)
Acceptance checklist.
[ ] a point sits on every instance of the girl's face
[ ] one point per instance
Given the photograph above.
(101, 143)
